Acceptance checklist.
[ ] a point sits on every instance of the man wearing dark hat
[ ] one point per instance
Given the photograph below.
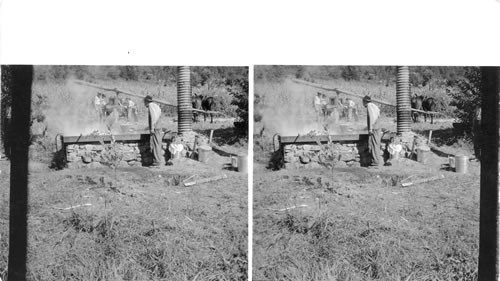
(154, 113)
(374, 131)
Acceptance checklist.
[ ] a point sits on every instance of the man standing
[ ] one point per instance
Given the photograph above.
(374, 131)
(99, 104)
(317, 107)
(350, 106)
(154, 113)
(324, 103)
(317, 104)
(131, 110)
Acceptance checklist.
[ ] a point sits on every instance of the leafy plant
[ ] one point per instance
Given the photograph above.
(111, 155)
(238, 88)
(466, 97)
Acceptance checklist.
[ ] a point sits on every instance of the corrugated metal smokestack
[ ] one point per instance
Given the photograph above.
(184, 104)
(403, 100)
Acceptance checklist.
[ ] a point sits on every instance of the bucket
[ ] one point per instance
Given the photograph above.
(234, 162)
(395, 156)
(242, 163)
(451, 161)
(176, 155)
(461, 164)
(204, 153)
(422, 155)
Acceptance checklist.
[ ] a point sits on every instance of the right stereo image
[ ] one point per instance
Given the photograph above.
(371, 172)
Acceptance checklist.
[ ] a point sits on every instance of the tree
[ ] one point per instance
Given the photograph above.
(350, 73)
(238, 88)
(467, 96)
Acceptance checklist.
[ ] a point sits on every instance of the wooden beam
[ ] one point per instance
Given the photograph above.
(329, 88)
(107, 138)
(118, 91)
(325, 138)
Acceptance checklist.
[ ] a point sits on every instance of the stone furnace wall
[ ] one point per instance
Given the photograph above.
(350, 154)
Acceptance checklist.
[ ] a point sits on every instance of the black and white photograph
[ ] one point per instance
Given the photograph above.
(133, 172)
(249, 140)
(368, 172)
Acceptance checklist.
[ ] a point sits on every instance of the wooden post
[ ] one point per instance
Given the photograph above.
(19, 88)
(488, 225)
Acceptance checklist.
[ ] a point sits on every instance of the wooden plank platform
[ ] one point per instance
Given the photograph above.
(107, 138)
(324, 138)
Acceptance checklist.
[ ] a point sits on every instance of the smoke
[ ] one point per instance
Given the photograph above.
(70, 111)
(287, 109)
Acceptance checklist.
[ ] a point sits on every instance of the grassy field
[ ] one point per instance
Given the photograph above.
(142, 225)
(357, 223)
(360, 225)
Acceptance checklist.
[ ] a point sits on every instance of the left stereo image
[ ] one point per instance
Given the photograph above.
(124, 172)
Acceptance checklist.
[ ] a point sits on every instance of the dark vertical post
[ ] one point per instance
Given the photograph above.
(20, 90)
(488, 227)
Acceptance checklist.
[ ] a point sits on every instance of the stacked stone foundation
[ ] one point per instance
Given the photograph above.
(91, 155)
(339, 155)
(134, 149)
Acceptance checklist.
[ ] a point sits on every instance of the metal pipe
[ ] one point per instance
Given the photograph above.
(403, 101)
(184, 103)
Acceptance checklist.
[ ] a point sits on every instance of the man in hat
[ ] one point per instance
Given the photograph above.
(374, 131)
(154, 113)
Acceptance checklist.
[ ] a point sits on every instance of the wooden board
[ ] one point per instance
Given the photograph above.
(324, 138)
(107, 138)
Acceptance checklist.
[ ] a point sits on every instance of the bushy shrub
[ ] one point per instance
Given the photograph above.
(238, 88)
(466, 96)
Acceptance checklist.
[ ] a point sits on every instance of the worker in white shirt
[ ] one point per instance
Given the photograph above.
(374, 131)
(318, 108)
(154, 113)
(99, 104)
(131, 109)
(351, 109)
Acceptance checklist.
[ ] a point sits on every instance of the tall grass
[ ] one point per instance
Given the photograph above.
(142, 227)
(360, 226)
